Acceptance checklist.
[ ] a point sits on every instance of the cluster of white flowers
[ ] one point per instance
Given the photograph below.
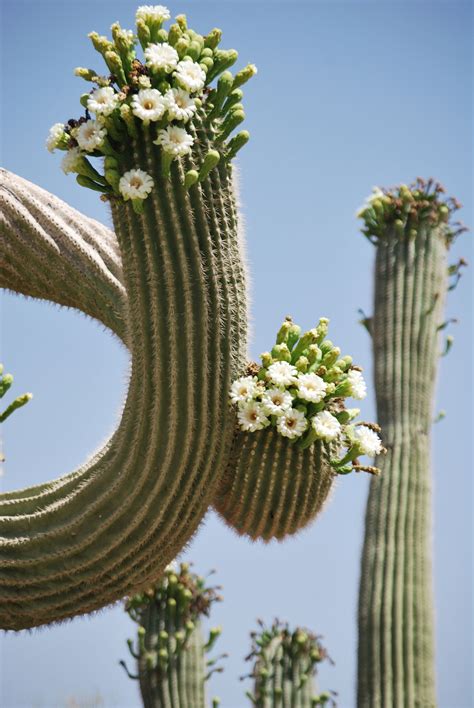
(303, 400)
(276, 400)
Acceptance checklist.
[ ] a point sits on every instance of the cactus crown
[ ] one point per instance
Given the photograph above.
(180, 589)
(407, 208)
(285, 661)
(300, 389)
(164, 94)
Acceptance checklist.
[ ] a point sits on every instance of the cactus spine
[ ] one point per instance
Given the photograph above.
(284, 667)
(172, 668)
(411, 230)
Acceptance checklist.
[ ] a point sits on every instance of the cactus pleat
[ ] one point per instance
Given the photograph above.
(114, 523)
(170, 652)
(396, 622)
(271, 488)
(52, 252)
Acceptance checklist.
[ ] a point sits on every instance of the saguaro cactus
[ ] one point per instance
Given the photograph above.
(171, 651)
(284, 668)
(171, 283)
(411, 229)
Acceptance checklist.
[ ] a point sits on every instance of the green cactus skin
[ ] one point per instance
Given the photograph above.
(172, 668)
(92, 537)
(271, 489)
(396, 642)
(50, 251)
(284, 667)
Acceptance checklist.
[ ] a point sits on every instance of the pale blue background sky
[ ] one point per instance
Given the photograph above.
(348, 95)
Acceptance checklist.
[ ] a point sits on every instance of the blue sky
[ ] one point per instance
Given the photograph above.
(348, 95)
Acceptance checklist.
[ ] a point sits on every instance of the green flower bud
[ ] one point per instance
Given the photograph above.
(213, 38)
(161, 36)
(234, 97)
(190, 178)
(232, 120)
(302, 364)
(211, 160)
(181, 46)
(144, 34)
(113, 61)
(219, 95)
(174, 33)
(194, 50)
(86, 74)
(182, 22)
(244, 75)
(90, 184)
(280, 352)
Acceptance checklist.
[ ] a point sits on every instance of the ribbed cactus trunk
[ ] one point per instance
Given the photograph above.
(180, 680)
(94, 536)
(396, 622)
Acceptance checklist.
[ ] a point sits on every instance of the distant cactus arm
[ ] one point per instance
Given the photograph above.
(50, 251)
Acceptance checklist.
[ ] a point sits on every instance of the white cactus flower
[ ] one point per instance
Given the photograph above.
(152, 13)
(326, 426)
(357, 384)
(55, 134)
(252, 417)
(161, 57)
(367, 441)
(190, 76)
(149, 105)
(103, 101)
(276, 401)
(90, 135)
(282, 373)
(180, 105)
(135, 184)
(175, 141)
(292, 424)
(311, 387)
(244, 389)
(72, 160)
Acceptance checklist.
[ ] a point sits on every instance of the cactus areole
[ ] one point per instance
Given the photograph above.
(156, 140)
(412, 230)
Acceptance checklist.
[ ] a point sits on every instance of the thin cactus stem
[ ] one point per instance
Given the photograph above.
(396, 628)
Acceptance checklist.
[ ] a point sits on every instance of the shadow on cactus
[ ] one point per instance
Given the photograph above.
(156, 140)
(170, 649)
(284, 667)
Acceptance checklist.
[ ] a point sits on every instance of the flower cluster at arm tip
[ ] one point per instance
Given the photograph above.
(300, 389)
(407, 208)
(163, 95)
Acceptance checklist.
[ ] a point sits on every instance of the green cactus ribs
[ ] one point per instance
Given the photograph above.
(412, 228)
(108, 529)
(170, 651)
(294, 434)
(284, 665)
(162, 95)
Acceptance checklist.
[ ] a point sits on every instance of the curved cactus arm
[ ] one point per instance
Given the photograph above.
(411, 230)
(50, 251)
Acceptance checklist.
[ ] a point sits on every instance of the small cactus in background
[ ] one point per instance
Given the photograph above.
(284, 666)
(411, 229)
(170, 650)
